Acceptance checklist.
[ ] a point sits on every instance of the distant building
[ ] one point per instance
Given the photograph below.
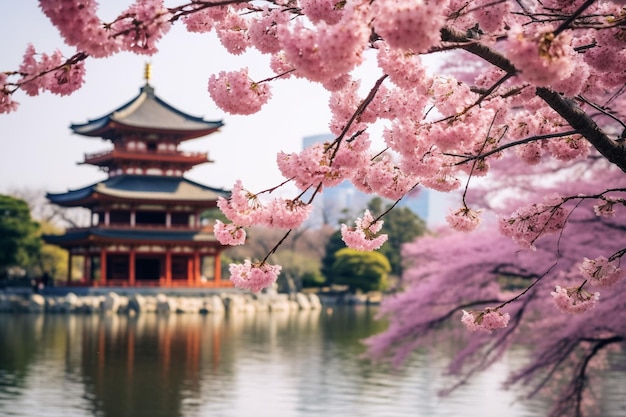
(345, 200)
(145, 229)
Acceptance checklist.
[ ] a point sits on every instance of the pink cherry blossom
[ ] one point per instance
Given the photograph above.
(229, 234)
(262, 30)
(232, 31)
(569, 148)
(204, 20)
(287, 214)
(601, 272)
(80, 26)
(235, 93)
(529, 223)
(363, 236)
(52, 73)
(328, 11)
(405, 69)
(384, 178)
(486, 321)
(542, 59)
(574, 300)
(142, 25)
(409, 24)
(607, 206)
(7, 104)
(253, 277)
(464, 219)
(242, 208)
(310, 167)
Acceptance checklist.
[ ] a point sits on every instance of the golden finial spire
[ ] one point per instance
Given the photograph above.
(148, 73)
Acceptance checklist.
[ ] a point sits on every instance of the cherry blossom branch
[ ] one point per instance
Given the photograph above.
(359, 111)
(527, 289)
(579, 382)
(601, 109)
(73, 60)
(468, 158)
(476, 160)
(572, 17)
(566, 107)
(613, 151)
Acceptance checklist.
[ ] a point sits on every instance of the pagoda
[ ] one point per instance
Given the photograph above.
(146, 228)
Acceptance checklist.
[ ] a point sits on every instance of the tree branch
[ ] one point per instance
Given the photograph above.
(567, 108)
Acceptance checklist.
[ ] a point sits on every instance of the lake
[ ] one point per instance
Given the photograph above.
(269, 364)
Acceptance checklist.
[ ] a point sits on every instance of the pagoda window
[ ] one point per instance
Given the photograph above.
(180, 219)
(179, 267)
(151, 146)
(147, 268)
(150, 218)
(117, 267)
(119, 217)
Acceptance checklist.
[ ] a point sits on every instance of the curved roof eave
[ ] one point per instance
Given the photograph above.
(141, 188)
(147, 112)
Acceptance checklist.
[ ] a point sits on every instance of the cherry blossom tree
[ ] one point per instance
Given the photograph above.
(538, 84)
(562, 301)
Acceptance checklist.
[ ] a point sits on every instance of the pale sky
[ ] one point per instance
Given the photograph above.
(39, 151)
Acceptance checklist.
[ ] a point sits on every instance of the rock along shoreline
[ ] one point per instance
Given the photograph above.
(125, 302)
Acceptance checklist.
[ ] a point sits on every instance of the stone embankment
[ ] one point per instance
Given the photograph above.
(115, 303)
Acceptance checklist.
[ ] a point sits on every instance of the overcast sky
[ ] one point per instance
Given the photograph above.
(39, 151)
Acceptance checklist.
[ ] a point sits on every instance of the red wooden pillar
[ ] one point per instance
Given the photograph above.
(103, 267)
(190, 271)
(69, 268)
(168, 268)
(131, 268)
(196, 268)
(217, 266)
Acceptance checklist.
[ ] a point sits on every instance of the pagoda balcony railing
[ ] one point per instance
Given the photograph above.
(165, 155)
(174, 283)
(155, 227)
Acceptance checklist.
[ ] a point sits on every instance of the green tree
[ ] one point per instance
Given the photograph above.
(401, 226)
(334, 243)
(52, 259)
(19, 242)
(365, 271)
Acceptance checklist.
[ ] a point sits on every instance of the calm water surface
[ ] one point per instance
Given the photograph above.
(272, 364)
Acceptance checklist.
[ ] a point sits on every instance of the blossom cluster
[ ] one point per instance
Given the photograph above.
(530, 223)
(253, 276)
(363, 236)
(607, 207)
(464, 219)
(235, 93)
(601, 271)
(245, 209)
(488, 320)
(574, 300)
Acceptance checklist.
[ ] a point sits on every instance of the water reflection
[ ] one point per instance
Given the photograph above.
(268, 364)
